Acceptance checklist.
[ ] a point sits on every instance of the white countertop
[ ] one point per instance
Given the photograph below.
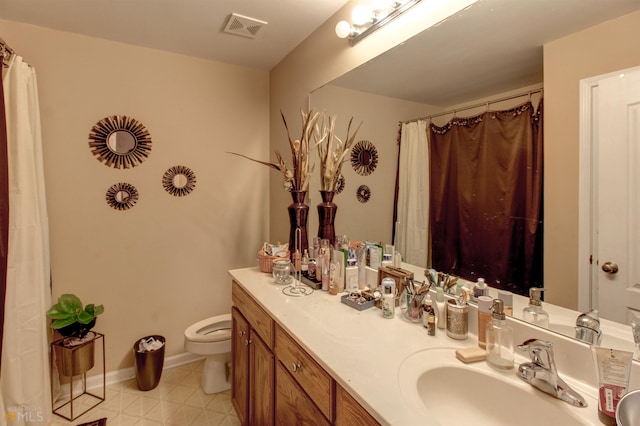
(364, 351)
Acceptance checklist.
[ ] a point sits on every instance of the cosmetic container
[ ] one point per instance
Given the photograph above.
(304, 266)
(480, 288)
(388, 297)
(457, 320)
(507, 298)
(351, 274)
(428, 316)
(441, 309)
(484, 319)
(499, 339)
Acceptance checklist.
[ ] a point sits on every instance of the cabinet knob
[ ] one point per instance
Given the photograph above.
(247, 342)
(242, 333)
(295, 366)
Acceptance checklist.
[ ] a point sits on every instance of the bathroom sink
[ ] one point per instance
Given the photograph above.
(454, 393)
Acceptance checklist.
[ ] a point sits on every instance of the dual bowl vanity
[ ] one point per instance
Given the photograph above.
(317, 360)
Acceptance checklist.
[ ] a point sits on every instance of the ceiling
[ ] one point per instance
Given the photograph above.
(189, 27)
(493, 46)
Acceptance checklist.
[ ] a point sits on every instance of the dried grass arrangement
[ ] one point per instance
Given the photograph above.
(332, 151)
(296, 174)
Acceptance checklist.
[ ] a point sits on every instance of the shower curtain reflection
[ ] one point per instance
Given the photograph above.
(24, 378)
(486, 197)
(411, 233)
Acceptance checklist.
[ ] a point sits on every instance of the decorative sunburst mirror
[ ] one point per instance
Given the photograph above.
(179, 181)
(341, 183)
(120, 142)
(122, 196)
(363, 193)
(364, 158)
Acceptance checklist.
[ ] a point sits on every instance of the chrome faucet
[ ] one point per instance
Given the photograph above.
(588, 327)
(541, 372)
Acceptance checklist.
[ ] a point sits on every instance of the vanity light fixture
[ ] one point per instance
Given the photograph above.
(368, 19)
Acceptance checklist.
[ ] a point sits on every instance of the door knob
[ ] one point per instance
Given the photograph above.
(610, 267)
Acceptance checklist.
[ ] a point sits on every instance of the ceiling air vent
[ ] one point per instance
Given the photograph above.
(243, 26)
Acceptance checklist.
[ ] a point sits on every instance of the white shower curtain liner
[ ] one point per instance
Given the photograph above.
(412, 230)
(24, 380)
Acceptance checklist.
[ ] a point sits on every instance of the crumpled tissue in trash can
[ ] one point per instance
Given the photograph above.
(150, 344)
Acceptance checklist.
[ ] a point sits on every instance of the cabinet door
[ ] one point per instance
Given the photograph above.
(293, 406)
(350, 412)
(261, 379)
(240, 365)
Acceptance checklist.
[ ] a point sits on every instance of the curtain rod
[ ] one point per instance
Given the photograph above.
(5, 52)
(487, 103)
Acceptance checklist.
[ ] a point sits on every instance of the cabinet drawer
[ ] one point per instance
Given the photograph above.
(260, 321)
(311, 377)
(293, 406)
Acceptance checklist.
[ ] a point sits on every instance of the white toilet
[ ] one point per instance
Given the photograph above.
(212, 338)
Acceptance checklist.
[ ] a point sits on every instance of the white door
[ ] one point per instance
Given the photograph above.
(616, 196)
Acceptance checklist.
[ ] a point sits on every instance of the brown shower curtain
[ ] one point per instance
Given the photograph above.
(4, 209)
(486, 197)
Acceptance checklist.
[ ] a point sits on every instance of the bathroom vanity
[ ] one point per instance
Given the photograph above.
(315, 360)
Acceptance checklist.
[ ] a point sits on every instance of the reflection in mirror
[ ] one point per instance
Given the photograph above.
(460, 69)
(122, 196)
(364, 158)
(120, 142)
(179, 181)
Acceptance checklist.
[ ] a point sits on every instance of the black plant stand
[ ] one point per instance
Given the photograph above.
(65, 409)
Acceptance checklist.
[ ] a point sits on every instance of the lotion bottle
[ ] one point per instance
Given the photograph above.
(534, 312)
(480, 288)
(441, 314)
(428, 315)
(351, 272)
(485, 304)
(499, 335)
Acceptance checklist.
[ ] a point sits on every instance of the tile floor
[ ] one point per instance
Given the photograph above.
(178, 400)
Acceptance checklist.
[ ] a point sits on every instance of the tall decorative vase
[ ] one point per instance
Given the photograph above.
(298, 214)
(326, 216)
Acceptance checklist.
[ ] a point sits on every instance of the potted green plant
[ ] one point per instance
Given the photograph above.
(75, 353)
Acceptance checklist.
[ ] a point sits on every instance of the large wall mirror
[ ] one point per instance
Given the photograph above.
(490, 50)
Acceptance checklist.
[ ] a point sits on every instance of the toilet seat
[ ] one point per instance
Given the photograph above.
(213, 329)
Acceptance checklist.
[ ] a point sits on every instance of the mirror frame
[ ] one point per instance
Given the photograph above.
(107, 127)
(122, 204)
(168, 181)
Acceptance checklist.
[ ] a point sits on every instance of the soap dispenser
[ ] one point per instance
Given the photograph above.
(534, 312)
(499, 338)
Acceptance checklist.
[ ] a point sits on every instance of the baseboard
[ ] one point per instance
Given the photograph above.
(113, 377)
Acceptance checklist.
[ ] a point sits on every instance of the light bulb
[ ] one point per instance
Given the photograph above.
(361, 15)
(343, 29)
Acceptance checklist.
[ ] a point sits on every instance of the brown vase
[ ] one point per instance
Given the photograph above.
(326, 216)
(298, 214)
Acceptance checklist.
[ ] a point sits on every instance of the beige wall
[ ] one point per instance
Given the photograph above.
(161, 265)
(604, 48)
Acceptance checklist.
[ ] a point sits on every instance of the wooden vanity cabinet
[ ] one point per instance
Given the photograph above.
(315, 385)
(275, 381)
(253, 374)
(350, 412)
